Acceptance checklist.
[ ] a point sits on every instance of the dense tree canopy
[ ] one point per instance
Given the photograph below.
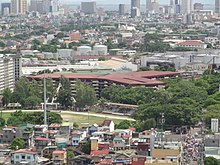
(85, 95)
(18, 118)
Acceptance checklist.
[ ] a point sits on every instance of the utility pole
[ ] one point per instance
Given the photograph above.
(45, 101)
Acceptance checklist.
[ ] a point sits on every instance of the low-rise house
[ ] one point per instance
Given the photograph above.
(197, 44)
(40, 130)
(59, 157)
(77, 137)
(24, 156)
(138, 160)
(107, 126)
(41, 143)
(26, 133)
(165, 156)
(8, 135)
(119, 143)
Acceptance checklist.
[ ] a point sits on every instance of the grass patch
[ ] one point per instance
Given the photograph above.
(81, 120)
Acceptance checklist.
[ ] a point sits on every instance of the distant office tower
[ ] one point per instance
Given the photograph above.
(135, 8)
(152, 6)
(122, 8)
(50, 6)
(148, 6)
(18, 7)
(6, 8)
(171, 2)
(6, 73)
(88, 7)
(36, 5)
(177, 2)
(198, 6)
(217, 7)
(135, 3)
(186, 6)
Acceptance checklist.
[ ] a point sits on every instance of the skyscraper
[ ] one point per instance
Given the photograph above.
(186, 6)
(135, 8)
(6, 8)
(6, 73)
(217, 7)
(18, 7)
(88, 7)
(152, 6)
(50, 6)
(122, 8)
(36, 5)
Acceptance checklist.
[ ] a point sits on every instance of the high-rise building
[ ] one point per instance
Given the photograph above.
(5, 8)
(50, 6)
(198, 6)
(36, 5)
(186, 6)
(18, 7)
(7, 79)
(152, 6)
(135, 8)
(217, 7)
(135, 3)
(122, 9)
(88, 7)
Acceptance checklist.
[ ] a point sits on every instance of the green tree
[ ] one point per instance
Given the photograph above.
(125, 124)
(17, 143)
(32, 101)
(86, 148)
(85, 95)
(211, 161)
(65, 95)
(7, 96)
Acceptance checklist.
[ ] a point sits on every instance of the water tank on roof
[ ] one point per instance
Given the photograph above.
(84, 50)
(100, 50)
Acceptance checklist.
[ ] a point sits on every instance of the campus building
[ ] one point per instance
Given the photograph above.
(99, 82)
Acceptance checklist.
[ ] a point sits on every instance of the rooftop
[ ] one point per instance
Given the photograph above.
(131, 78)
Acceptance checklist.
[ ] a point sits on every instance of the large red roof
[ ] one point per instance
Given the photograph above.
(132, 78)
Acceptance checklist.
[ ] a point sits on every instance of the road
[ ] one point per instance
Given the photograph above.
(80, 113)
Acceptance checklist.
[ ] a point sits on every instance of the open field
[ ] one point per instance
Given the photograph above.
(81, 118)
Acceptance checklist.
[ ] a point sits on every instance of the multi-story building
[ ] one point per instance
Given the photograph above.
(18, 7)
(99, 82)
(152, 6)
(36, 5)
(6, 8)
(198, 6)
(122, 8)
(217, 7)
(7, 79)
(135, 8)
(88, 7)
(186, 6)
(50, 6)
(24, 155)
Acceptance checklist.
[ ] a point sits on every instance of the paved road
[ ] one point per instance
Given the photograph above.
(81, 113)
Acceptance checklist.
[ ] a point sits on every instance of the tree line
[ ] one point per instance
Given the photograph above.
(30, 93)
(183, 102)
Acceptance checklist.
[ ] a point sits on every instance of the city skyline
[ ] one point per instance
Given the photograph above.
(120, 1)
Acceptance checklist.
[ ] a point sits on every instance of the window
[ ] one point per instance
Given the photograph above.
(17, 156)
(28, 157)
(23, 157)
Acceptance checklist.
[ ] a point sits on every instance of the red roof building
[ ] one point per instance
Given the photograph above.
(99, 82)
